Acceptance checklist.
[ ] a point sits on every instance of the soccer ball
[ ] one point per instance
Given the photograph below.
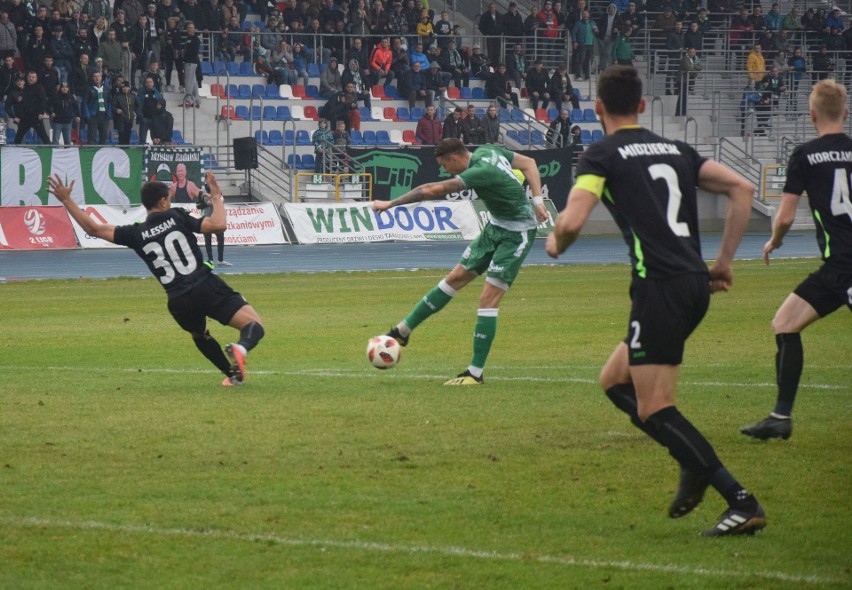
(383, 352)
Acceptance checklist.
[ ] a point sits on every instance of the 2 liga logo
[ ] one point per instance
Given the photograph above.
(35, 222)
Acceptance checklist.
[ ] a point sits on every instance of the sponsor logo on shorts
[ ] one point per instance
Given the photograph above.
(495, 268)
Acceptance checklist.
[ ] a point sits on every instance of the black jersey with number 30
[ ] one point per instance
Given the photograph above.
(648, 184)
(822, 168)
(166, 242)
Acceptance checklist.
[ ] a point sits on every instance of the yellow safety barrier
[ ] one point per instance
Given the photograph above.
(336, 187)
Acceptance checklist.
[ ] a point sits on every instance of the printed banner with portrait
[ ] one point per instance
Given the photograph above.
(178, 167)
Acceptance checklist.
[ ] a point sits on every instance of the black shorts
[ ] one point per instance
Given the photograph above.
(826, 290)
(212, 298)
(663, 315)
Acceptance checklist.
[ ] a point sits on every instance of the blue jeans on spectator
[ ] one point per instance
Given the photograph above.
(63, 129)
(285, 76)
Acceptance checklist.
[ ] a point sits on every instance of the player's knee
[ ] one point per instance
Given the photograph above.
(200, 336)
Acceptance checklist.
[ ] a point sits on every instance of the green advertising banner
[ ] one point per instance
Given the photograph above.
(101, 175)
(396, 171)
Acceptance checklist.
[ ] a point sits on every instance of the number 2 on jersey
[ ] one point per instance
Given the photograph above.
(171, 260)
(668, 174)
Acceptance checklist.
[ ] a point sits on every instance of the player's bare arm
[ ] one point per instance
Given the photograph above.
(529, 167)
(424, 192)
(716, 178)
(570, 221)
(217, 222)
(783, 222)
(105, 231)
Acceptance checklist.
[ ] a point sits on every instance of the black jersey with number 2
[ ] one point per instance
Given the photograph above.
(822, 168)
(648, 184)
(166, 242)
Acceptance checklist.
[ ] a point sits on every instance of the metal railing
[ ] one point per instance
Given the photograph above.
(734, 157)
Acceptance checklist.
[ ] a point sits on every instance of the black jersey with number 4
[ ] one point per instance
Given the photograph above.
(166, 242)
(822, 168)
(648, 184)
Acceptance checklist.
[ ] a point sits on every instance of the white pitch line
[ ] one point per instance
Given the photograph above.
(401, 375)
(447, 551)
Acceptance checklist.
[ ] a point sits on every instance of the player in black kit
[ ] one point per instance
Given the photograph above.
(167, 243)
(648, 184)
(822, 168)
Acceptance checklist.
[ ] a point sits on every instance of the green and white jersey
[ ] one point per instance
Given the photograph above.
(490, 174)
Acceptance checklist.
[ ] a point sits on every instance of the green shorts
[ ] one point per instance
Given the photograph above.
(500, 252)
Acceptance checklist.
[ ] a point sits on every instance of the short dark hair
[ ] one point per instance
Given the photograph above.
(449, 146)
(620, 90)
(152, 193)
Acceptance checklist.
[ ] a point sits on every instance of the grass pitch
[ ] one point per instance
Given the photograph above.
(123, 463)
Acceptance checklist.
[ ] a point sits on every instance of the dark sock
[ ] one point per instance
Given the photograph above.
(213, 352)
(788, 369)
(220, 245)
(250, 335)
(684, 442)
(208, 245)
(623, 396)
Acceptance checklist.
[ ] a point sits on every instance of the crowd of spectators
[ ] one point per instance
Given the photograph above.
(369, 42)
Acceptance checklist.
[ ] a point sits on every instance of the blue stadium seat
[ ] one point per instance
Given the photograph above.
(258, 90)
(465, 93)
(272, 91)
(233, 68)
(524, 137)
(283, 113)
(537, 137)
(269, 114)
(403, 113)
(391, 92)
(517, 116)
(478, 93)
(416, 113)
(370, 138)
(218, 66)
(244, 91)
(246, 69)
(312, 91)
(383, 138)
(585, 136)
(303, 138)
(308, 162)
(294, 160)
(480, 112)
(577, 93)
(233, 91)
(356, 137)
(177, 137)
(576, 115)
(552, 114)
(289, 137)
(207, 68)
(313, 70)
(589, 116)
(261, 137)
(505, 116)
(134, 136)
(513, 135)
(275, 137)
(365, 114)
(597, 135)
(241, 112)
(255, 113)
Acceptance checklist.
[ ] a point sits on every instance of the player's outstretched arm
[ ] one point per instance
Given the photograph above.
(783, 222)
(716, 178)
(105, 231)
(424, 192)
(217, 222)
(529, 167)
(570, 221)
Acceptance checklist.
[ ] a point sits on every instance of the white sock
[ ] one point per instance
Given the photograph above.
(475, 371)
(403, 329)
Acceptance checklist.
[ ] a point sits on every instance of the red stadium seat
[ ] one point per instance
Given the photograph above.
(299, 91)
(541, 115)
(379, 91)
(409, 137)
(453, 93)
(311, 113)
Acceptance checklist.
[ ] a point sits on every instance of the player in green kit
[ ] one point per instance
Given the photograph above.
(498, 251)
